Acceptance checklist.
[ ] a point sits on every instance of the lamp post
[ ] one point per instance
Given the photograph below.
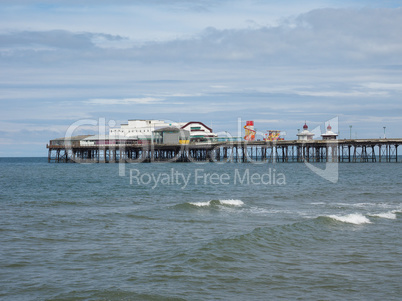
(350, 131)
(384, 132)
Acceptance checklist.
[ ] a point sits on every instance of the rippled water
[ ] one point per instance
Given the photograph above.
(82, 232)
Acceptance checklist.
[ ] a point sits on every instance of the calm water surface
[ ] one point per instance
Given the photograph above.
(84, 232)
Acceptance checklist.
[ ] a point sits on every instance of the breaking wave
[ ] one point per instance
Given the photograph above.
(355, 218)
(388, 215)
(201, 204)
(235, 203)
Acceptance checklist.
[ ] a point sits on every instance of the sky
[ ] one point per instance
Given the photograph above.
(279, 63)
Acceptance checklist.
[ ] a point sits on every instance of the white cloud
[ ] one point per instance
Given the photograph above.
(174, 95)
(124, 101)
(321, 37)
(384, 86)
(267, 120)
(151, 20)
(341, 94)
(219, 86)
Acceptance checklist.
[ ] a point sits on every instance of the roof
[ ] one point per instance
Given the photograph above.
(191, 122)
(170, 129)
(145, 120)
(97, 137)
(329, 133)
(73, 138)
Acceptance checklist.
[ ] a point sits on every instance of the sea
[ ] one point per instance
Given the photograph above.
(192, 231)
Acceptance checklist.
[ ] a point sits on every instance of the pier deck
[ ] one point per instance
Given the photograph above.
(348, 150)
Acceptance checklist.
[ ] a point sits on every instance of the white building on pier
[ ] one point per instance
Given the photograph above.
(143, 130)
(329, 134)
(305, 134)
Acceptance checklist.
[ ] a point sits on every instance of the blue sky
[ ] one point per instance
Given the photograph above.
(278, 63)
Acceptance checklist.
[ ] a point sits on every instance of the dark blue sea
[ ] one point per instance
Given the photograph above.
(187, 231)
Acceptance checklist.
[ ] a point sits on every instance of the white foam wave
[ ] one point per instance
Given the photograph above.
(358, 205)
(389, 215)
(367, 205)
(399, 210)
(201, 204)
(236, 203)
(356, 219)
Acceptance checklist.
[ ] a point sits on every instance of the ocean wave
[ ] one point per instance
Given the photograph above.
(265, 211)
(355, 218)
(112, 293)
(234, 203)
(364, 205)
(201, 204)
(388, 215)
(274, 238)
(399, 210)
(358, 205)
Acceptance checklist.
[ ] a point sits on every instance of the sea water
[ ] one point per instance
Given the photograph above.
(235, 231)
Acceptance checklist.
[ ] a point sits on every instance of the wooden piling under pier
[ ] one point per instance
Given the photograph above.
(359, 150)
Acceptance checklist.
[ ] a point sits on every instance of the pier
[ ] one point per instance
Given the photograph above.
(286, 151)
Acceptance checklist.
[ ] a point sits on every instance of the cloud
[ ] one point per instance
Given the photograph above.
(124, 101)
(54, 40)
(108, 2)
(384, 86)
(324, 36)
(267, 121)
(341, 94)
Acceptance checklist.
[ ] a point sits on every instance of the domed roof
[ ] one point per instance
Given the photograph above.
(329, 128)
(305, 126)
